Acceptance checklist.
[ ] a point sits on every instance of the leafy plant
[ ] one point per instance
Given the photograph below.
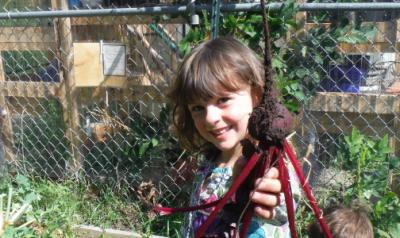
(16, 208)
(362, 167)
(369, 160)
(42, 208)
(134, 155)
(11, 214)
(312, 52)
(195, 35)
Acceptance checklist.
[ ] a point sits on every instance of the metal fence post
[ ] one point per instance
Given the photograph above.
(216, 6)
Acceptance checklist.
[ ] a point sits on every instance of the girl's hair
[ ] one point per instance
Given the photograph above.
(345, 223)
(220, 64)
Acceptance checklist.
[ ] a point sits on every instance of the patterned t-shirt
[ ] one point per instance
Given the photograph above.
(211, 183)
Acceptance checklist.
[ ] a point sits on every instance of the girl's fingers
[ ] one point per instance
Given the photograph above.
(265, 199)
(266, 193)
(272, 173)
(264, 212)
(268, 185)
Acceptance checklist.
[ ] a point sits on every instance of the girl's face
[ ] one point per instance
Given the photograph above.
(222, 120)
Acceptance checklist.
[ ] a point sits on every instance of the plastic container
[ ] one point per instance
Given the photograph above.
(343, 79)
(73, 4)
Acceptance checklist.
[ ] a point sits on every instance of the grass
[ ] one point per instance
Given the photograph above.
(58, 206)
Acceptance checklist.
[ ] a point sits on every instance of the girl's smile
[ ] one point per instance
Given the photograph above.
(220, 131)
(222, 120)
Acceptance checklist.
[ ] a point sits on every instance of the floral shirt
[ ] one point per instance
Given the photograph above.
(211, 183)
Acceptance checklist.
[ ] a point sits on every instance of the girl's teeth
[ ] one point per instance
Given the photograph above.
(219, 132)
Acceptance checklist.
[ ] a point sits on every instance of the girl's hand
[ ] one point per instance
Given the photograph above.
(266, 194)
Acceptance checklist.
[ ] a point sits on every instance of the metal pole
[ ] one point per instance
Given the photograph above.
(231, 7)
(216, 6)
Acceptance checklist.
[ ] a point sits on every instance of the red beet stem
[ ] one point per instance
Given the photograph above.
(245, 172)
(307, 189)
(285, 180)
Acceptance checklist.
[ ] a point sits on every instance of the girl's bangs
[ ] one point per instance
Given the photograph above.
(210, 81)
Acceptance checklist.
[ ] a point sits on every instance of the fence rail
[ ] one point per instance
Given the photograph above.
(182, 9)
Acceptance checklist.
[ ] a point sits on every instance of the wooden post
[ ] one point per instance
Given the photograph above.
(69, 97)
(397, 50)
(6, 132)
(395, 139)
(174, 61)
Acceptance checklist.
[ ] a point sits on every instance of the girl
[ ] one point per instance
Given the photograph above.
(217, 86)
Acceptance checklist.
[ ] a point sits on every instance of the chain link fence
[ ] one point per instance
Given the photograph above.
(84, 96)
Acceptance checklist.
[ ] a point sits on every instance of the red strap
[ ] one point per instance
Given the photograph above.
(170, 210)
(307, 189)
(250, 210)
(285, 180)
(242, 176)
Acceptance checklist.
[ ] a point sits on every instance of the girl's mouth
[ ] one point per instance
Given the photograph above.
(220, 131)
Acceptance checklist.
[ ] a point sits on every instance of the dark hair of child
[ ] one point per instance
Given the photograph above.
(344, 222)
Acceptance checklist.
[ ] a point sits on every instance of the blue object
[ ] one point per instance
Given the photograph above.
(50, 73)
(343, 79)
(73, 4)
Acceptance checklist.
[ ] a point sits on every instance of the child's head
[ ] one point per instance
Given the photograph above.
(211, 70)
(345, 223)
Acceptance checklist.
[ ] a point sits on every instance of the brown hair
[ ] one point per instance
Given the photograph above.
(345, 223)
(202, 75)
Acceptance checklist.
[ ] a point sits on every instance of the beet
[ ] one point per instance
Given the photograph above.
(248, 148)
(270, 123)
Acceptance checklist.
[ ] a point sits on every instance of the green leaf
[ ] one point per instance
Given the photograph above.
(395, 230)
(353, 37)
(304, 51)
(249, 30)
(300, 95)
(154, 142)
(277, 63)
(294, 86)
(383, 234)
(22, 181)
(318, 59)
(30, 197)
(255, 18)
(394, 163)
(302, 72)
(143, 148)
(371, 35)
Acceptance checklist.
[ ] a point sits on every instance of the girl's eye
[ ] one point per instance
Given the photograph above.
(195, 109)
(223, 100)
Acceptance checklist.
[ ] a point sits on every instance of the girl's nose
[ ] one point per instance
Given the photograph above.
(213, 114)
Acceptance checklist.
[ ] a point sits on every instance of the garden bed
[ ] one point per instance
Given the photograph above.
(84, 231)
(59, 208)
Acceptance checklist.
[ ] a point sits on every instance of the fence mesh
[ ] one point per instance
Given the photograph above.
(65, 116)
